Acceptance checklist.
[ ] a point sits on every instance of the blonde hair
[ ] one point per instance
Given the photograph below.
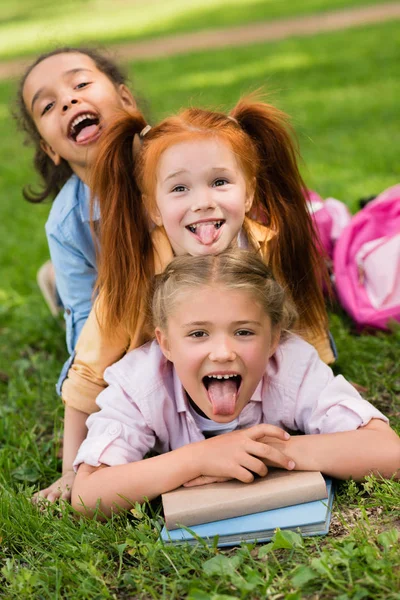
(234, 270)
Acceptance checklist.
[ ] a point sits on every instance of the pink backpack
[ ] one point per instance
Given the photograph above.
(330, 217)
(367, 262)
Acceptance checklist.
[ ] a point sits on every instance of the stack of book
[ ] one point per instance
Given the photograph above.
(236, 512)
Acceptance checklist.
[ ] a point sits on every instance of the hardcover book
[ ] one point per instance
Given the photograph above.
(308, 518)
(206, 503)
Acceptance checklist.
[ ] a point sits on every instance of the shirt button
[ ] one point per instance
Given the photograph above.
(68, 311)
(114, 429)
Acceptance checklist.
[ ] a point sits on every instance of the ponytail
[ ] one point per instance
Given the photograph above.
(280, 204)
(125, 254)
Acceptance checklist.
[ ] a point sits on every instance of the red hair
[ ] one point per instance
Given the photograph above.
(124, 180)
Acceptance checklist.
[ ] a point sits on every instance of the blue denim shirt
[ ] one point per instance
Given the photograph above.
(72, 251)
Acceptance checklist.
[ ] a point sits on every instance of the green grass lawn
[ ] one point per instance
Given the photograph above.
(30, 26)
(342, 91)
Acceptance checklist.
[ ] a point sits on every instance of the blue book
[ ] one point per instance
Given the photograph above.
(309, 518)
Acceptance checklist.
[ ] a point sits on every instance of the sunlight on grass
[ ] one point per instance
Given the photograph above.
(235, 74)
(36, 25)
(99, 19)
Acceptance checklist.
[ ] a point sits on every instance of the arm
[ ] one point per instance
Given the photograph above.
(238, 455)
(75, 272)
(372, 449)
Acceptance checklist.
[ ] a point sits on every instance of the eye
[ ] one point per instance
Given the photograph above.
(179, 188)
(47, 108)
(244, 333)
(220, 182)
(82, 85)
(197, 334)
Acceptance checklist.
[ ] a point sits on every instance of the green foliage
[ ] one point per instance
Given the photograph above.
(342, 91)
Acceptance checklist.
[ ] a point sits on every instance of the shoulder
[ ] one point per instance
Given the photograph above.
(294, 363)
(259, 233)
(142, 372)
(71, 205)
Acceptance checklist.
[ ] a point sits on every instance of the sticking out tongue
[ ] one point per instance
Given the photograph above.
(86, 133)
(207, 233)
(222, 394)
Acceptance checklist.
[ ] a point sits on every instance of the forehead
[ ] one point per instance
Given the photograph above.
(214, 302)
(197, 152)
(54, 68)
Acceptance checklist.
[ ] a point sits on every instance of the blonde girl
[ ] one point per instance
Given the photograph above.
(206, 180)
(215, 395)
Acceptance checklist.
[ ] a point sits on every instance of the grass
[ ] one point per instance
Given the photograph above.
(341, 90)
(30, 26)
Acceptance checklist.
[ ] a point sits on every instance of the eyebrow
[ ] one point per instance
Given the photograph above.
(181, 171)
(42, 89)
(204, 323)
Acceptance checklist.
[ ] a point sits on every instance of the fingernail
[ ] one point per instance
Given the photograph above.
(287, 435)
(291, 464)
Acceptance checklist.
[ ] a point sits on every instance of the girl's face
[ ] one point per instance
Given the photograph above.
(220, 341)
(70, 102)
(201, 196)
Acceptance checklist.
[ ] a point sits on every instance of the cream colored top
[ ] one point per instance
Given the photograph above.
(95, 351)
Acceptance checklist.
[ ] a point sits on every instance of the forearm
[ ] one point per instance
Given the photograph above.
(374, 448)
(119, 486)
(75, 432)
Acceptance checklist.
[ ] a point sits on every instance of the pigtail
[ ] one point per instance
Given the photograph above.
(280, 204)
(125, 254)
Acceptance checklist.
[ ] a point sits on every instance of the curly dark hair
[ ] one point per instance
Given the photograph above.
(54, 176)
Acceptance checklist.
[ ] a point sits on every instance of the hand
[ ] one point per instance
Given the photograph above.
(241, 453)
(59, 489)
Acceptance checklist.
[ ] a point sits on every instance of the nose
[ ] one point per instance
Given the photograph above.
(67, 104)
(222, 350)
(203, 200)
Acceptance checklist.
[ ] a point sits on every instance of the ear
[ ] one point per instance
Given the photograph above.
(56, 158)
(128, 101)
(250, 196)
(162, 340)
(154, 213)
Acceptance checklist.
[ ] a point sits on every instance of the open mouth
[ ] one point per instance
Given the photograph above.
(222, 392)
(84, 127)
(206, 232)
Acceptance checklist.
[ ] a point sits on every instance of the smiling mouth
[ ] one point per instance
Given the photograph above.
(222, 392)
(206, 232)
(84, 127)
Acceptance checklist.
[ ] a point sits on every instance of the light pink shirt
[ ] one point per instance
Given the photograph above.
(145, 406)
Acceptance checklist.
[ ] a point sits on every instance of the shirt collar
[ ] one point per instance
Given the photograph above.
(83, 194)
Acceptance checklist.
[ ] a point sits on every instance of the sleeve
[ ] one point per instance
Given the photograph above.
(329, 404)
(75, 280)
(118, 433)
(95, 351)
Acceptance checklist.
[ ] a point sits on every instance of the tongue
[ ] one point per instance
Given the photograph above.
(222, 394)
(206, 232)
(86, 133)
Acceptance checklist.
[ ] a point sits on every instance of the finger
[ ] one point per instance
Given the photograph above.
(255, 465)
(264, 429)
(40, 496)
(53, 496)
(244, 475)
(66, 495)
(272, 455)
